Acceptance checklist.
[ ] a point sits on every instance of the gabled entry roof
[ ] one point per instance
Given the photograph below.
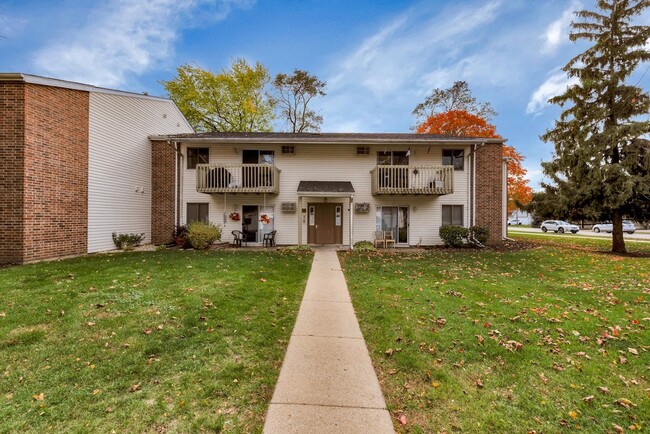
(325, 187)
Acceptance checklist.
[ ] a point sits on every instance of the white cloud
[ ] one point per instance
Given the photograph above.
(553, 86)
(125, 37)
(557, 32)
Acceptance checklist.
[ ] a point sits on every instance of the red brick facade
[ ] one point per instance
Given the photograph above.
(163, 163)
(12, 143)
(489, 182)
(44, 132)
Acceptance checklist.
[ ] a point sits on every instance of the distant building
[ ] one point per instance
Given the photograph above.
(519, 217)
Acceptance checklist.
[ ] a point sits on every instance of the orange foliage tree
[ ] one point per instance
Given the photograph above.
(461, 123)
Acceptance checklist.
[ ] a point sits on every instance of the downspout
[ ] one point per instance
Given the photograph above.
(474, 186)
(176, 161)
(504, 196)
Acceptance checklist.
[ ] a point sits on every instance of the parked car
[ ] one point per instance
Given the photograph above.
(514, 222)
(628, 227)
(558, 226)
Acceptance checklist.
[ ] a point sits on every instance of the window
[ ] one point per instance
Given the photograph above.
(452, 215)
(254, 156)
(197, 156)
(395, 220)
(454, 157)
(394, 158)
(363, 150)
(288, 149)
(197, 211)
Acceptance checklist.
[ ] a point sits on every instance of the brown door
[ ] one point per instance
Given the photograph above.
(325, 223)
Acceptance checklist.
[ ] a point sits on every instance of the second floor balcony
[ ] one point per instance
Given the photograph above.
(237, 178)
(412, 180)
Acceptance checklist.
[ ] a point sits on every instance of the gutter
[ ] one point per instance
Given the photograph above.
(323, 141)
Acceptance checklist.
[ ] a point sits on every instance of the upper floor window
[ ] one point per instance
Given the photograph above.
(255, 156)
(197, 156)
(393, 158)
(454, 157)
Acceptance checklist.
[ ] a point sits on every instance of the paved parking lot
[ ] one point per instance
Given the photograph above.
(641, 235)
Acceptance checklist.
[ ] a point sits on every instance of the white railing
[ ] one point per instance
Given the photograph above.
(412, 180)
(237, 178)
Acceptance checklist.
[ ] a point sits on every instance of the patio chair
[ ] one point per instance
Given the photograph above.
(239, 237)
(379, 238)
(269, 239)
(389, 239)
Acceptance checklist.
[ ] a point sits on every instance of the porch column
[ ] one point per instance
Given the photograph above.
(300, 217)
(351, 222)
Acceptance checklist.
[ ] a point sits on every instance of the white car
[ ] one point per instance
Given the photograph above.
(514, 222)
(628, 227)
(559, 226)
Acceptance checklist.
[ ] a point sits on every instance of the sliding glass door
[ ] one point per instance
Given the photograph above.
(394, 219)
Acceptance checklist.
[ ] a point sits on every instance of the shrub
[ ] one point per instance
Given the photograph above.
(202, 234)
(303, 248)
(127, 241)
(180, 237)
(479, 233)
(364, 246)
(453, 236)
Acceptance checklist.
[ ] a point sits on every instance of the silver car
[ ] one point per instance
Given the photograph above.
(628, 227)
(558, 226)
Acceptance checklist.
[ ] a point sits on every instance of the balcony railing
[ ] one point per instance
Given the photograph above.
(432, 180)
(237, 178)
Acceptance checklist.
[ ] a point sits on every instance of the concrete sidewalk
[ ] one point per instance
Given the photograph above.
(327, 382)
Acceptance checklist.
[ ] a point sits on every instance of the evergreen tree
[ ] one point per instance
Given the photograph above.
(601, 166)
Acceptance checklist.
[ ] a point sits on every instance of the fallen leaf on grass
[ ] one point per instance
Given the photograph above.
(543, 378)
(262, 279)
(39, 397)
(90, 324)
(633, 351)
(602, 389)
(135, 387)
(480, 339)
(625, 403)
(618, 428)
(402, 420)
(573, 414)
(148, 331)
(479, 384)
(588, 399)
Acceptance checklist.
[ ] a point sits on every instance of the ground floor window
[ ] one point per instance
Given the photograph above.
(257, 221)
(394, 219)
(452, 215)
(197, 212)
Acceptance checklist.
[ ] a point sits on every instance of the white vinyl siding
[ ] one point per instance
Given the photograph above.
(329, 162)
(119, 163)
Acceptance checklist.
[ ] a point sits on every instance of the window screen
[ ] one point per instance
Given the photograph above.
(197, 211)
(452, 215)
(197, 156)
(453, 157)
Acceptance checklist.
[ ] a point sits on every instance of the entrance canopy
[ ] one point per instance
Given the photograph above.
(326, 188)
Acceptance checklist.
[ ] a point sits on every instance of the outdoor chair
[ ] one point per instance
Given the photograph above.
(269, 239)
(379, 239)
(389, 239)
(239, 237)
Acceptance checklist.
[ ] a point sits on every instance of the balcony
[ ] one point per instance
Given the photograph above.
(430, 180)
(237, 178)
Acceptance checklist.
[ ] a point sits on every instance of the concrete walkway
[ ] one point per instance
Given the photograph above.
(327, 383)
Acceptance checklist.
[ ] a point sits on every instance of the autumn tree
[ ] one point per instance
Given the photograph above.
(293, 95)
(600, 166)
(457, 97)
(231, 100)
(462, 123)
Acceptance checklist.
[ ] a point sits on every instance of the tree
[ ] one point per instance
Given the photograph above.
(293, 93)
(599, 165)
(462, 123)
(232, 100)
(457, 97)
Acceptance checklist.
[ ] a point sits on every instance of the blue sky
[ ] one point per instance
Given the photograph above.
(379, 57)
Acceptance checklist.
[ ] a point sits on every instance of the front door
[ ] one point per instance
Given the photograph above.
(325, 224)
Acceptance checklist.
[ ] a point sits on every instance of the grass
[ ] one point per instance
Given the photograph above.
(175, 341)
(549, 339)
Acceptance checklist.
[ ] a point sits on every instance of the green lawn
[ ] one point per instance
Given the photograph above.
(582, 241)
(175, 341)
(548, 339)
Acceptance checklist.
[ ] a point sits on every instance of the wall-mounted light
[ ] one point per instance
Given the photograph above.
(325, 200)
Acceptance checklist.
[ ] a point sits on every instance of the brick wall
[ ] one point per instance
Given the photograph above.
(489, 181)
(12, 138)
(55, 218)
(163, 161)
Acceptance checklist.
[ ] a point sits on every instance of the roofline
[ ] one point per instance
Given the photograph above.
(321, 141)
(55, 82)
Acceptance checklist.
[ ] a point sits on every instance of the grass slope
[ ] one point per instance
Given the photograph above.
(543, 340)
(179, 341)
